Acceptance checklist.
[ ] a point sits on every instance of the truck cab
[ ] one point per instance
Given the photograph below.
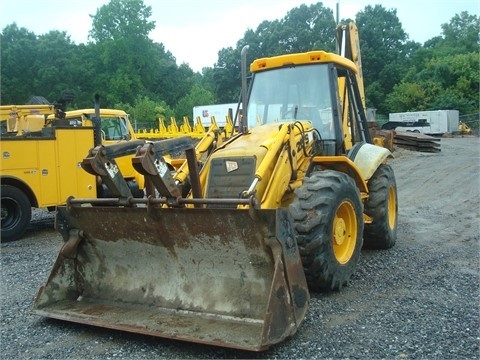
(115, 125)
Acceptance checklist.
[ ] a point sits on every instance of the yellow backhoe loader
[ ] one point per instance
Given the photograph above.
(225, 250)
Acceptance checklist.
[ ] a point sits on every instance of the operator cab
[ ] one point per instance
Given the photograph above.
(318, 87)
(295, 93)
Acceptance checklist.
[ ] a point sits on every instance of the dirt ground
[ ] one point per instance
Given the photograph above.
(439, 194)
(419, 299)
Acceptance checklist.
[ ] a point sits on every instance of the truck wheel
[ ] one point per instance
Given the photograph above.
(16, 213)
(327, 211)
(382, 207)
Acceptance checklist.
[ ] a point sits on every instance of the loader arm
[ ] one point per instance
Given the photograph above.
(101, 162)
(149, 161)
(284, 166)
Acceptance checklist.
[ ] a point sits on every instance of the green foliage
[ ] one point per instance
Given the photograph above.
(226, 75)
(445, 71)
(306, 28)
(54, 72)
(121, 30)
(206, 79)
(31, 65)
(165, 80)
(17, 55)
(197, 96)
(385, 50)
(406, 97)
(302, 29)
(121, 19)
(461, 34)
(145, 112)
(450, 82)
(128, 69)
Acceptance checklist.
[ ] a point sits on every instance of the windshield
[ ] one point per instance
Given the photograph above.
(293, 93)
(114, 128)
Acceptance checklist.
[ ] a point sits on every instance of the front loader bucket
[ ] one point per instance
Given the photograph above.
(224, 277)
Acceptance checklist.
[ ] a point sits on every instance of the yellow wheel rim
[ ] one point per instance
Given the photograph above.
(392, 207)
(344, 232)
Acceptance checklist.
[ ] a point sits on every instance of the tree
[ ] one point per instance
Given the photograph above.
(160, 79)
(121, 19)
(120, 69)
(444, 73)
(226, 75)
(461, 34)
(120, 29)
(302, 29)
(86, 72)
(19, 50)
(55, 71)
(145, 112)
(197, 96)
(124, 65)
(385, 52)
(307, 28)
(406, 97)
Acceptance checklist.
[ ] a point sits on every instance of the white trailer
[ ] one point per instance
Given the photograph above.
(434, 122)
(220, 111)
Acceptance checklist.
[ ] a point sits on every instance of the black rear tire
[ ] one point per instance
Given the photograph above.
(328, 215)
(16, 213)
(382, 207)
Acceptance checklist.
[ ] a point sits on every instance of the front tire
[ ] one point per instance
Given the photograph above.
(328, 216)
(382, 207)
(16, 213)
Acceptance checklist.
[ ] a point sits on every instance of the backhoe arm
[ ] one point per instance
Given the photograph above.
(348, 43)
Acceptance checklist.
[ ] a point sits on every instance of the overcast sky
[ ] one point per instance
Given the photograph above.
(195, 30)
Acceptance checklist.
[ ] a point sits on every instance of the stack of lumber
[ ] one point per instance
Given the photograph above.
(416, 141)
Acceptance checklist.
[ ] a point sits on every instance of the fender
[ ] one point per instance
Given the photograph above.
(368, 157)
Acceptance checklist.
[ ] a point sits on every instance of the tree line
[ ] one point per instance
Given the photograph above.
(140, 76)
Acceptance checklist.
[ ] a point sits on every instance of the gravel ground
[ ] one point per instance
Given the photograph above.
(418, 300)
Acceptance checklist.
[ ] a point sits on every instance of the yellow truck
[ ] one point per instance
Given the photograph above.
(41, 168)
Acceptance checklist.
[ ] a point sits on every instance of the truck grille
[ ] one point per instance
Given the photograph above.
(228, 177)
